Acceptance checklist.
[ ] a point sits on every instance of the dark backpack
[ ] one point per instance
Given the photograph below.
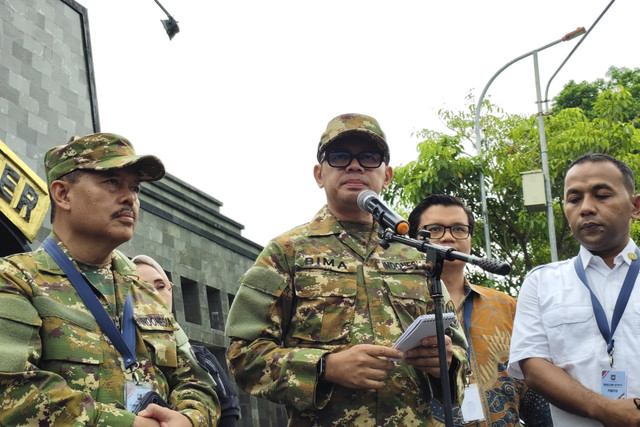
(227, 395)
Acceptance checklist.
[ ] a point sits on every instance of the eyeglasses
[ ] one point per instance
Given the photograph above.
(342, 159)
(458, 231)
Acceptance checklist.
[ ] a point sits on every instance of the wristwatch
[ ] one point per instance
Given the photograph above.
(322, 368)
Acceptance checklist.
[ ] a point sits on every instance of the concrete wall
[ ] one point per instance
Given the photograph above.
(204, 255)
(48, 95)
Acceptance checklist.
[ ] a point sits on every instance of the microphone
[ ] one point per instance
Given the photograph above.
(369, 201)
(487, 264)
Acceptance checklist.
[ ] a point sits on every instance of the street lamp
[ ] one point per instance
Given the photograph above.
(546, 92)
(543, 148)
(170, 25)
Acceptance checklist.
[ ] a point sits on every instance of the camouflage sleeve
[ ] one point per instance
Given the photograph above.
(257, 324)
(31, 395)
(192, 388)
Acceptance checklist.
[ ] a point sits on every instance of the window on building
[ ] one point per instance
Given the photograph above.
(191, 301)
(214, 299)
(175, 289)
(230, 298)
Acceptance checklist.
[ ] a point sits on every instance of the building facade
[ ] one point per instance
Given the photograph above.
(47, 95)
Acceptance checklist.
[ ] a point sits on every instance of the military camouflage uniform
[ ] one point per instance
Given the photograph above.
(58, 369)
(321, 288)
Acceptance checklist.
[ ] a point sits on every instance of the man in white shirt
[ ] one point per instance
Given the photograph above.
(574, 340)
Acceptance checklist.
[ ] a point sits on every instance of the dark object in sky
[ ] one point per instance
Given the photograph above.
(170, 25)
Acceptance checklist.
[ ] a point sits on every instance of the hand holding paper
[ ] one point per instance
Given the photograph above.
(422, 327)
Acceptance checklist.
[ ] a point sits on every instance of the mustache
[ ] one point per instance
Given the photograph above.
(124, 210)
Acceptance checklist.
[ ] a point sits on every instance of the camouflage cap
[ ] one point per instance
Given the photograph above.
(100, 151)
(353, 124)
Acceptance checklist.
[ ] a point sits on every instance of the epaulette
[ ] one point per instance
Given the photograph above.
(556, 264)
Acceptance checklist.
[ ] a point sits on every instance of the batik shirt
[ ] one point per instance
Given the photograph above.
(321, 288)
(57, 368)
(489, 337)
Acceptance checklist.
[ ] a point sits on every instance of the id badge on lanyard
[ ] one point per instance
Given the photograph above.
(614, 384)
(471, 403)
(135, 390)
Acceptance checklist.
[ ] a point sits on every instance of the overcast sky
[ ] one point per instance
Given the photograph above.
(235, 104)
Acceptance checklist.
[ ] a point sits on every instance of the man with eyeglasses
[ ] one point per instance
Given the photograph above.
(487, 316)
(315, 318)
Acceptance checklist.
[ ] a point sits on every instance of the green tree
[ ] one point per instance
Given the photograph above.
(585, 95)
(448, 163)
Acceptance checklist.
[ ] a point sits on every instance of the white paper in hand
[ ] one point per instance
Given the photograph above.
(424, 326)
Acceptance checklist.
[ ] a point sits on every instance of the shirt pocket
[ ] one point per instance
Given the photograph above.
(157, 332)
(68, 335)
(636, 310)
(571, 332)
(408, 294)
(71, 345)
(325, 296)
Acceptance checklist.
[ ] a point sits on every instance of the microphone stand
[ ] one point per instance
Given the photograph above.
(434, 269)
(434, 262)
(435, 257)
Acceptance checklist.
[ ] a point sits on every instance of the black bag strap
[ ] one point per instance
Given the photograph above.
(229, 402)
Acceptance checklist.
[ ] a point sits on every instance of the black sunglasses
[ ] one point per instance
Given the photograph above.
(342, 159)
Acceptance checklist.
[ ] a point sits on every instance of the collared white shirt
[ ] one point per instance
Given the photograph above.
(555, 321)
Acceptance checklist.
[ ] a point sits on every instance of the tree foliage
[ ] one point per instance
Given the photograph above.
(585, 95)
(602, 116)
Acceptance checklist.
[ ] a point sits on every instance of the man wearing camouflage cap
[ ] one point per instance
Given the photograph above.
(57, 366)
(315, 318)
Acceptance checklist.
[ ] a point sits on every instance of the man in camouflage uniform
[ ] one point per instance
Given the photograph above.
(315, 318)
(57, 367)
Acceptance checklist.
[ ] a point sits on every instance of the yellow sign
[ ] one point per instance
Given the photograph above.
(23, 195)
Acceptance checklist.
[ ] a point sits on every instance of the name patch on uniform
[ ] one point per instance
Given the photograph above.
(154, 321)
(400, 266)
(308, 261)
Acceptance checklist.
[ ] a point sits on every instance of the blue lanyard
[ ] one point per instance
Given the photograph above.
(466, 320)
(125, 342)
(621, 303)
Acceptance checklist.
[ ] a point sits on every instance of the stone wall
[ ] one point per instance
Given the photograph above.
(47, 96)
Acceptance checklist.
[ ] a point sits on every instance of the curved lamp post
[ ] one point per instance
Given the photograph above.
(543, 144)
(546, 92)
(170, 24)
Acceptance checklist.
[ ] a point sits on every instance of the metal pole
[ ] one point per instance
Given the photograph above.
(543, 143)
(163, 9)
(577, 33)
(545, 165)
(476, 125)
(170, 24)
